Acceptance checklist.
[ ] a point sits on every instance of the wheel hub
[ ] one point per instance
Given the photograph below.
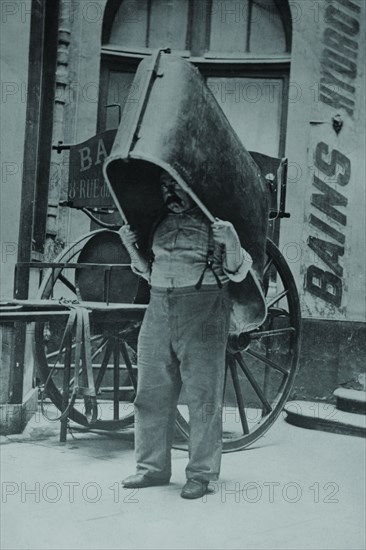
(238, 342)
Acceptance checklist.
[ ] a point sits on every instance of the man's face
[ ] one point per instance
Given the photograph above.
(174, 197)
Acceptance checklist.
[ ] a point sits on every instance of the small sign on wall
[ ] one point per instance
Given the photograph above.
(87, 187)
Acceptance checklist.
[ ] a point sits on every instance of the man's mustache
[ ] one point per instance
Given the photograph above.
(173, 198)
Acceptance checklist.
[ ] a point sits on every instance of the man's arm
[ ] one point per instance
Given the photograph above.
(237, 261)
(139, 264)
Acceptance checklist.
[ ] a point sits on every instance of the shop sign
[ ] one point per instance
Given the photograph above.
(334, 276)
(87, 187)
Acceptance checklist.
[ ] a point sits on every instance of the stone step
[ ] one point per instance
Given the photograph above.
(349, 400)
(325, 417)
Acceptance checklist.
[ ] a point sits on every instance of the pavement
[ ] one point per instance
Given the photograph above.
(294, 488)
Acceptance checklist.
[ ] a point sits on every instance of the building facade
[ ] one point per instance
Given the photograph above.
(290, 77)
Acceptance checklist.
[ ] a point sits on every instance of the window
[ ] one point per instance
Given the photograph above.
(146, 24)
(246, 27)
(242, 48)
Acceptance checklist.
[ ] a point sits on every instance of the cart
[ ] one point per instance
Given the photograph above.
(176, 125)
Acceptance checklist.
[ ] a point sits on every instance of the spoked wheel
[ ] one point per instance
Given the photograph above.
(259, 379)
(113, 338)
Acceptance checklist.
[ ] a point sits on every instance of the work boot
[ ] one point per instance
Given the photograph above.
(194, 489)
(139, 481)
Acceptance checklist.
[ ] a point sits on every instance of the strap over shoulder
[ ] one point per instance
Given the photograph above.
(209, 262)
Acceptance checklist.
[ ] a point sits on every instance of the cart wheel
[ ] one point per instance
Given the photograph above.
(259, 379)
(113, 350)
(258, 382)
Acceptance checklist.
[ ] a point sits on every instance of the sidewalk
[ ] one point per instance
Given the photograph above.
(295, 489)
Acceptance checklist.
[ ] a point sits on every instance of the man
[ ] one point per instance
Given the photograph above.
(183, 338)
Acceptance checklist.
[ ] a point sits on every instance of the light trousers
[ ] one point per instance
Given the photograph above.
(182, 344)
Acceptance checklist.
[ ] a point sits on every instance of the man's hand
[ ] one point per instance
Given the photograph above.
(224, 233)
(138, 262)
(128, 236)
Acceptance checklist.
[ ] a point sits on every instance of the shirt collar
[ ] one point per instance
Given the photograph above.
(190, 212)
